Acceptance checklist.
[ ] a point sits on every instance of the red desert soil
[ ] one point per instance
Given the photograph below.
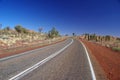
(5, 54)
(109, 60)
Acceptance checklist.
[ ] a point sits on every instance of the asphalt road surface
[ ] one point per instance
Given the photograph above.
(66, 60)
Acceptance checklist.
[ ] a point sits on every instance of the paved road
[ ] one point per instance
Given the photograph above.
(62, 61)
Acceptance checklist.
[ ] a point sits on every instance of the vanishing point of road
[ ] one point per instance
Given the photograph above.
(67, 60)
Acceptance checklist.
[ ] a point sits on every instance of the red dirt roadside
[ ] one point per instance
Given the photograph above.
(109, 60)
(5, 54)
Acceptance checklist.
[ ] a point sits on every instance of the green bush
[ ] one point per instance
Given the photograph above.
(116, 49)
(53, 33)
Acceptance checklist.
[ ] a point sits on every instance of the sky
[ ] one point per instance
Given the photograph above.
(67, 16)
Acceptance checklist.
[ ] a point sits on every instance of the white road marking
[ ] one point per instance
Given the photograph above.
(16, 55)
(25, 72)
(90, 64)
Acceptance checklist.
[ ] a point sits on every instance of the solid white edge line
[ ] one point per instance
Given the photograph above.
(90, 63)
(25, 72)
(16, 55)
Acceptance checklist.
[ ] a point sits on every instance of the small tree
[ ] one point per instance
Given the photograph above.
(93, 37)
(73, 34)
(87, 36)
(53, 33)
(107, 38)
(20, 29)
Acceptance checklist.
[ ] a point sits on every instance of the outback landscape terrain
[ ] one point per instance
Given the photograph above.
(59, 39)
(105, 49)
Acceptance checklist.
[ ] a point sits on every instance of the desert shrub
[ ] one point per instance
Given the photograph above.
(53, 33)
(116, 49)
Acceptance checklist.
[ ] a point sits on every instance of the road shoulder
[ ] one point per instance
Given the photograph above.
(99, 73)
(24, 49)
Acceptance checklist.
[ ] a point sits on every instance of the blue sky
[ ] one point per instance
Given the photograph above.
(68, 16)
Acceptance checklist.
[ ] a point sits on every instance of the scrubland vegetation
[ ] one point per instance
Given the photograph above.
(107, 40)
(20, 36)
